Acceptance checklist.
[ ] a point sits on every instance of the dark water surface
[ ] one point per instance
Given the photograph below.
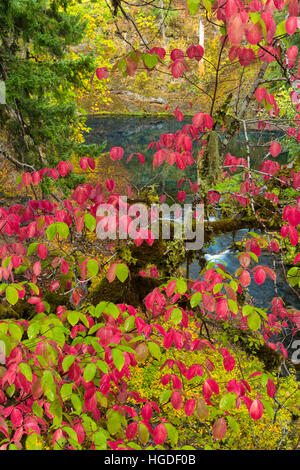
(134, 134)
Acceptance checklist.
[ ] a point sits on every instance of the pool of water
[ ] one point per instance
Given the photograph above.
(134, 134)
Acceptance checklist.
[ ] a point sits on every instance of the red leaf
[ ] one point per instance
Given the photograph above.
(275, 149)
(219, 429)
(208, 302)
(160, 434)
(294, 236)
(42, 251)
(176, 400)
(101, 73)
(294, 8)
(235, 29)
(260, 94)
(291, 55)
(54, 286)
(16, 418)
(63, 168)
(245, 278)
(222, 308)
(253, 32)
(229, 362)
(245, 260)
(170, 288)
(196, 52)
(110, 184)
(111, 273)
(131, 431)
(160, 51)
(291, 25)
(4, 427)
(37, 268)
(292, 214)
(231, 8)
(256, 410)
(189, 407)
(131, 67)
(116, 153)
(271, 389)
(177, 54)
(179, 67)
(260, 276)
(147, 412)
(181, 196)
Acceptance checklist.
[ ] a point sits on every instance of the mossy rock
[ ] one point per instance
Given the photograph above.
(134, 290)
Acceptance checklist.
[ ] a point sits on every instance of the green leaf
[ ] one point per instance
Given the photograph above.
(254, 321)
(37, 409)
(176, 315)
(129, 323)
(233, 424)
(193, 6)
(165, 396)
(253, 256)
(89, 372)
(247, 310)
(90, 222)
(280, 29)
(233, 285)
(268, 408)
(62, 229)
(92, 267)
(227, 401)
(26, 371)
(233, 306)
(99, 309)
(154, 350)
(150, 60)
(73, 318)
(6, 262)
(100, 440)
(122, 272)
(207, 5)
(181, 286)
(34, 442)
(34, 287)
(255, 17)
(84, 319)
(67, 362)
(122, 65)
(16, 331)
(66, 391)
(51, 231)
(112, 309)
(102, 366)
(217, 287)
(195, 299)
(118, 358)
(2, 287)
(12, 295)
(56, 410)
(72, 434)
(114, 422)
(76, 402)
(172, 433)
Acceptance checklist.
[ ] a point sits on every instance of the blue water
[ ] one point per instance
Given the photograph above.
(134, 134)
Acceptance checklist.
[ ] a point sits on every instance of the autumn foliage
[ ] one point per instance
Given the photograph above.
(66, 378)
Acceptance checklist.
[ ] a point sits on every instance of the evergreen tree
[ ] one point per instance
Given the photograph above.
(38, 121)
